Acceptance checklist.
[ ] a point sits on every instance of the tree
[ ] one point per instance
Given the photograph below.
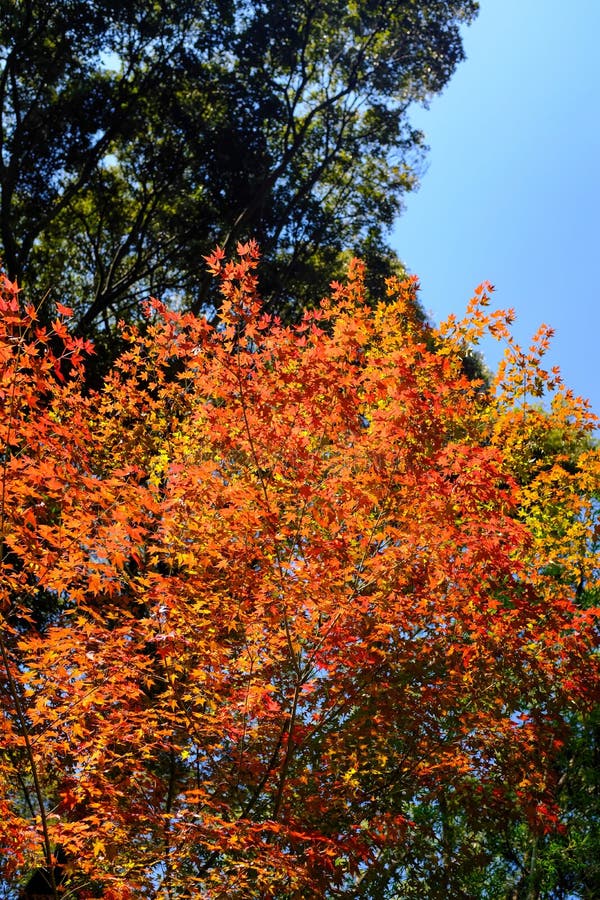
(278, 616)
(135, 135)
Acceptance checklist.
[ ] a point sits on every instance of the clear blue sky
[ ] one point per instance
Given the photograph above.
(511, 193)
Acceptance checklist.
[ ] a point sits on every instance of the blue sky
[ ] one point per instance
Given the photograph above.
(511, 193)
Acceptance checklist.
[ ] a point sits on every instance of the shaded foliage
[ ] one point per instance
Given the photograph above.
(137, 134)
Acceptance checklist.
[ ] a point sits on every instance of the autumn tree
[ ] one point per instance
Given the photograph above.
(286, 611)
(136, 134)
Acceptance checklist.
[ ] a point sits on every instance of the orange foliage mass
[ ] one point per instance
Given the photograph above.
(298, 582)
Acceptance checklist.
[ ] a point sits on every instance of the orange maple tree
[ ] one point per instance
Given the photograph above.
(276, 599)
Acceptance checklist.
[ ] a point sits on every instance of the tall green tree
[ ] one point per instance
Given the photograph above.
(136, 135)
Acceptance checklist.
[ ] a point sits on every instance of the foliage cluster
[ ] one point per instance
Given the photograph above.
(296, 611)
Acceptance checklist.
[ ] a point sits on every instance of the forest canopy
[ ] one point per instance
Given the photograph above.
(297, 600)
(136, 135)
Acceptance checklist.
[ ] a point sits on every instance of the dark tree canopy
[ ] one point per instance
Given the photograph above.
(137, 135)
